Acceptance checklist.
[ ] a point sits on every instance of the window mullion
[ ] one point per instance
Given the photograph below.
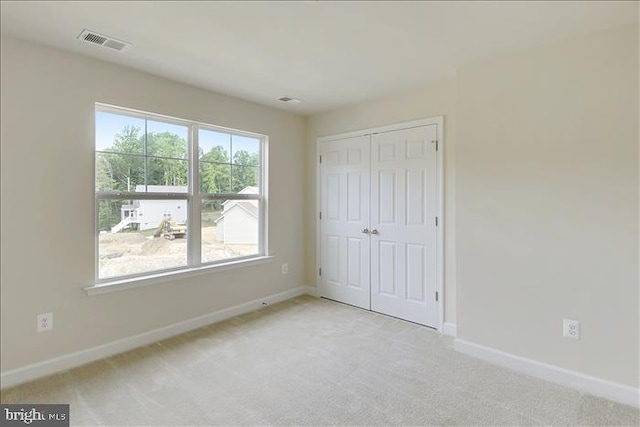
(96, 240)
(146, 160)
(194, 227)
(263, 234)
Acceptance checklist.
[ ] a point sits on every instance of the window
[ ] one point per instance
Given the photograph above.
(173, 194)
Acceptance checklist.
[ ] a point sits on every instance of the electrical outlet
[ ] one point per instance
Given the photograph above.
(285, 268)
(571, 328)
(45, 322)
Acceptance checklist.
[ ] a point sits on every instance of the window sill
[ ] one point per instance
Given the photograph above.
(137, 282)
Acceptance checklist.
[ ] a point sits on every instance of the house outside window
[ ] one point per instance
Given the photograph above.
(174, 194)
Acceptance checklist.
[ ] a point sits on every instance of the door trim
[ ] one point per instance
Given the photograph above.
(439, 122)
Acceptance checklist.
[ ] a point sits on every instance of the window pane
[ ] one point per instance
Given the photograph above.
(215, 177)
(245, 150)
(119, 172)
(120, 134)
(137, 236)
(166, 176)
(151, 155)
(214, 146)
(230, 229)
(167, 140)
(245, 179)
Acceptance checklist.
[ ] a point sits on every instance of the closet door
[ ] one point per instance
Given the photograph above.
(344, 204)
(404, 197)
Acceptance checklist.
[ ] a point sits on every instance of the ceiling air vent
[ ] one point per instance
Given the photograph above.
(289, 99)
(102, 40)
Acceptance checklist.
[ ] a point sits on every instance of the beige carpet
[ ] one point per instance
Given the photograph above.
(311, 362)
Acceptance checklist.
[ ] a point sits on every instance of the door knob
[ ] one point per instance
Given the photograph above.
(374, 231)
(365, 230)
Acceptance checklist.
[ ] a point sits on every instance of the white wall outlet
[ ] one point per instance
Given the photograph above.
(45, 322)
(285, 268)
(571, 328)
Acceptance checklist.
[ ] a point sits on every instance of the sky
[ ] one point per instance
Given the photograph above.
(108, 125)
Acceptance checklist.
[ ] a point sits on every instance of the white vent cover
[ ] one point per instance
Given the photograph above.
(102, 40)
(290, 99)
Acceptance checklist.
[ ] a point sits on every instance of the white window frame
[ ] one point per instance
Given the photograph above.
(194, 199)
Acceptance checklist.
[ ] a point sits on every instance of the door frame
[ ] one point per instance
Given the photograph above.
(439, 122)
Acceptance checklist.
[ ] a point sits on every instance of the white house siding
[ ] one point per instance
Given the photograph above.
(240, 227)
(152, 212)
(220, 230)
(239, 221)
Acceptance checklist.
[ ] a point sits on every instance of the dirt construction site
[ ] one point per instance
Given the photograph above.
(127, 253)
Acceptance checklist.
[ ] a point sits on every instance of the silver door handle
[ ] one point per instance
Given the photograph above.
(365, 230)
(374, 231)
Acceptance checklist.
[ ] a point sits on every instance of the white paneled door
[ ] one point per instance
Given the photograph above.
(404, 196)
(345, 218)
(379, 240)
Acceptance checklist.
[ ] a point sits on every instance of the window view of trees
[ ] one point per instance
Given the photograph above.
(142, 159)
(219, 174)
(136, 154)
(161, 158)
(136, 158)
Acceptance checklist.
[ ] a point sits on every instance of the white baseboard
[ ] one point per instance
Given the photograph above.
(82, 357)
(591, 385)
(450, 329)
(313, 291)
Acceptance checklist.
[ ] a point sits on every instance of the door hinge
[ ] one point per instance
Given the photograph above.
(436, 296)
(435, 142)
(320, 215)
(436, 221)
(320, 271)
(320, 159)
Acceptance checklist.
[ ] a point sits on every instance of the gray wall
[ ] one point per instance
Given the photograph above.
(541, 192)
(47, 118)
(547, 203)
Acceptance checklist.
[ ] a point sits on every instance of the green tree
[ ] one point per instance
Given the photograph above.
(151, 159)
(108, 214)
(120, 167)
(167, 159)
(125, 160)
(215, 172)
(244, 170)
(215, 176)
(104, 173)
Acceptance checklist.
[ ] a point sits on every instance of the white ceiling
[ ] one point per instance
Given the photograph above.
(329, 54)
